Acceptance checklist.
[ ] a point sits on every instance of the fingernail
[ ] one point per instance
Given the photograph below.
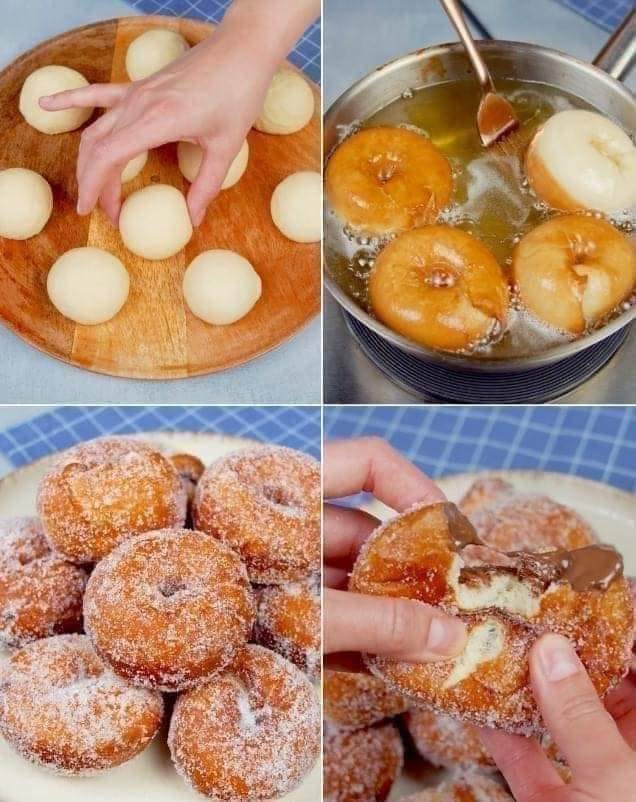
(557, 658)
(446, 636)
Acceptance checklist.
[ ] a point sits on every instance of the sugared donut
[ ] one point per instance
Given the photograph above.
(386, 180)
(265, 503)
(572, 271)
(169, 609)
(352, 701)
(40, 592)
(512, 521)
(190, 470)
(104, 491)
(471, 787)
(440, 287)
(446, 741)
(288, 621)
(361, 766)
(251, 734)
(433, 554)
(62, 707)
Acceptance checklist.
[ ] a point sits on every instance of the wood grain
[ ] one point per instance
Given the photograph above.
(154, 336)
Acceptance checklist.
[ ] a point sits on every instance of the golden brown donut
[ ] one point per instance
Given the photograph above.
(383, 180)
(104, 491)
(169, 609)
(446, 741)
(251, 734)
(440, 287)
(190, 470)
(288, 621)
(432, 554)
(63, 708)
(361, 766)
(40, 592)
(265, 503)
(472, 787)
(353, 701)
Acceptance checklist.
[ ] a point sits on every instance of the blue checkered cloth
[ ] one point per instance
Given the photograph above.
(606, 13)
(594, 442)
(296, 427)
(306, 54)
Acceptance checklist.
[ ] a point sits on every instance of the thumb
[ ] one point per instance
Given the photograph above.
(398, 628)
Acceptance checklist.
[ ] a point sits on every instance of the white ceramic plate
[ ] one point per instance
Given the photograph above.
(150, 777)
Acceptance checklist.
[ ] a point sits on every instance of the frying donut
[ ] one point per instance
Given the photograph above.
(471, 787)
(251, 734)
(386, 180)
(353, 701)
(40, 592)
(572, 271)
(446, 741)
(265, 503)
(433, 554)
(361, 766)
(169, 609)
(107, 490)
(63, 708)
(440, 287)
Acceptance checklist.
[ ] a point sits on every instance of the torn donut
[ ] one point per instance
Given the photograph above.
(353, 701)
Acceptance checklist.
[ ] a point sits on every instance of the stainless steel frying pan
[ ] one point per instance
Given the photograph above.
(598, 84)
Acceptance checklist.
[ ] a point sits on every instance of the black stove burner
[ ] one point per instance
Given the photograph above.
(434, 382)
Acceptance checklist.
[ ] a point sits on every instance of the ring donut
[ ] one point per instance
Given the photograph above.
(472, 787)
(353, 701)
(432, 554)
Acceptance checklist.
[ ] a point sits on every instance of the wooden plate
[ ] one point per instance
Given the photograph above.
(154, 336)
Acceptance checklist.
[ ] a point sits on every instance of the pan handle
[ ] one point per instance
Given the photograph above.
(619, 54)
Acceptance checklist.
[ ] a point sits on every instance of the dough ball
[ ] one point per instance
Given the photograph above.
(152, 51)
(154, 222)
(26, 203)
(49, 81)
(221, 287)
(88, 285)
(134, 167)
(289, 104)
(190, 157)
(297, 207)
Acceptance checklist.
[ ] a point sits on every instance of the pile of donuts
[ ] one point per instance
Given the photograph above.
(429, 712)
(147, 574)
(440, 286)
(155, 223)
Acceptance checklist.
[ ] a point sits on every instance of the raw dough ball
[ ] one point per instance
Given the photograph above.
(289, 104)
(49, 81)
(26, 203)
(297, 207)
(134, 167)
(88, 285)
(190, 157)
(152, 51)
(154, 222)
(221, 287)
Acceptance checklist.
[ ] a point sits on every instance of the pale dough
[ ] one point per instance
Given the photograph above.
(49, 81)
(297, 207)
(26, 203)
(289, 104)
(134, 167)
(221, 287)
(88, 285)
(190, 157)
(152, 51)
(154, 222)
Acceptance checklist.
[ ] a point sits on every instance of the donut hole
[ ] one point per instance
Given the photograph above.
(441, 276)
(485, 642)
(385, 167)
(171, 587)
(279, 496)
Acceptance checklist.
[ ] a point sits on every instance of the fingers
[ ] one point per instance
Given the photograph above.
(345, 530)
(335, 577)
(100, 160)
(370, 464)
(575, 716)
(102, 95)
(621, 705)
(110, 199)
(398, 628)
(207, 185)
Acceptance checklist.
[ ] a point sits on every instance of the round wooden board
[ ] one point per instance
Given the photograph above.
(154, 336)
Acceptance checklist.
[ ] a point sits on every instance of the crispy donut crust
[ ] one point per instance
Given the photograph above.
(471, 787)
(354, 701)
(446, 741)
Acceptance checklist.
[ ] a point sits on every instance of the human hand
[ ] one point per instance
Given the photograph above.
(209, 96)
(400, 628)
(596, 740)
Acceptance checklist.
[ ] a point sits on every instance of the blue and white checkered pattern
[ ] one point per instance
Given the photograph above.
(296, 427)
(306, 54)
(606, 13)
(594, 442)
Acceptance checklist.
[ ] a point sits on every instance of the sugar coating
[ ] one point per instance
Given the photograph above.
(40, 592)
(104, 491)
(265, 503)
(251, 734)
(446, 741)
(361, 766)
(62, 708)
(471, 787)
(169, 609)
(353, 701)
